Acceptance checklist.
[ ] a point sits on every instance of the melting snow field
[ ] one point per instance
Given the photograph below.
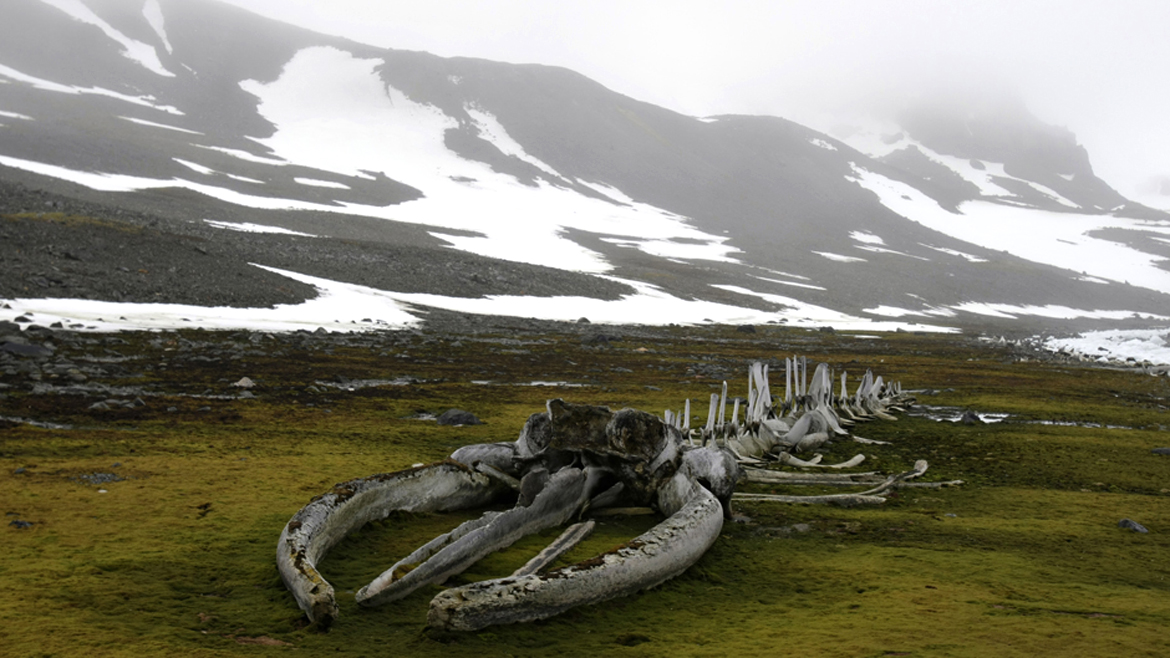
(347, 307)
(1151, 345)
(1053, 238)
(324, 104)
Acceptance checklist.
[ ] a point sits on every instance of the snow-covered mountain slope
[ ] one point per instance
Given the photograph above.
(194, 110)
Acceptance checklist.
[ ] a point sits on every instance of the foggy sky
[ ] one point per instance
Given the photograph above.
(1101, 69)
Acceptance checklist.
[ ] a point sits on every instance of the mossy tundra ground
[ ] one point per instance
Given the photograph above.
(177, 558)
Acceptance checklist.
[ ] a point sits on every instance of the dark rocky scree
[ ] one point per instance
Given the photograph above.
(50, 374)
(54, 371)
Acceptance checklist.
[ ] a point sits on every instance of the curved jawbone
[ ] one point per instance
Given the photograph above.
(663, 552)
(317, 527)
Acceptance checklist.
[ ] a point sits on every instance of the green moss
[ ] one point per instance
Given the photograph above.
(178, 558)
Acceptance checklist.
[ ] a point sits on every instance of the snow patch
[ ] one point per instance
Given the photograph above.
(839, 258)
(882, 250)
(198, 168)
(316, 182)
(248, 227)
(142, 53)
(152, 124)
(780, 273)
(1151, 345)
(787, 283)
(1091, 279)
(1052, 194)
(153, 13)
(14, 115)
(866, 237)
(676, 250)
(970, 258)
(897, 312)
(891, 311)
(48, 85)
(822, 144)
(245, 156)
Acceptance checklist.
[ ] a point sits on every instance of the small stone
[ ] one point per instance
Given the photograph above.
(99, 406)
(599, 339)
(1129, 524)
(746, 329)
(970, 418)
(20, 349)
(458, 417)
(20, 470)
(245, 383)
(1161, 451)
(20, 524)
(247, 395)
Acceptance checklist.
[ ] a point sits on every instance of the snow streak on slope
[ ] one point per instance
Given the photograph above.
(249, 227)
(140, 52)
(48, 85)
(332, 112)
(152, 124)
(15, 115)
(153, 13)
(1053, 238)
(491, 130)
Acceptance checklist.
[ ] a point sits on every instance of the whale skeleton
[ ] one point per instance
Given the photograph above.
(808, 416)
(576, 460)
(775, 431)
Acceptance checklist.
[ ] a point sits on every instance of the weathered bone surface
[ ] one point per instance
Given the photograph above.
(451, 554)
(441, 487)
(653, 557)
(574, 460)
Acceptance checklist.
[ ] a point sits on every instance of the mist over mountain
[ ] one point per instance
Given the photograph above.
(530, 190)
